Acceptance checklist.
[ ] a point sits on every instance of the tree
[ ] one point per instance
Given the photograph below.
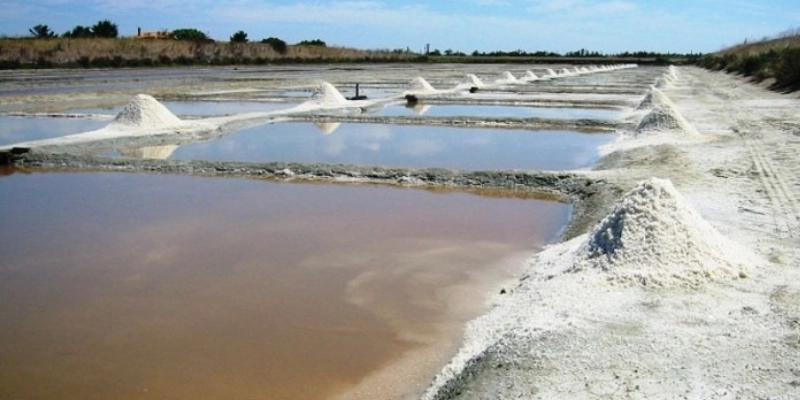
(276, 44)
(189, 34)
(41, 32)
(105, 29)
(315, 42)
(239, 37)
(79, 32)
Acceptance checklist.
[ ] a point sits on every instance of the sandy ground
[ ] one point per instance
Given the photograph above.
(561, 332)
(580, 335)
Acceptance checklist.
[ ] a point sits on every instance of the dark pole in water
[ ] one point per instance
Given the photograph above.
(356, 90)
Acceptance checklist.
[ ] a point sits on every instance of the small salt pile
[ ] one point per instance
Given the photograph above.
(473, 81)
(327, 95)
(655, 237)
(506, 77)
(143, 111)
(665, 117)
(419, 85)
(530, 76)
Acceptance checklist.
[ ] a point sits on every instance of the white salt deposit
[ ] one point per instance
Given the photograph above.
(327, 95)
(150, 152)
(654, 97)
(664, 117)
(530, 76)
(550, 72)
(506, 77)
(473, 81)
(419, 85)
(144, 111)
(655, 237)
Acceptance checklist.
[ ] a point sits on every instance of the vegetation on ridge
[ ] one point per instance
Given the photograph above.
(776, 58)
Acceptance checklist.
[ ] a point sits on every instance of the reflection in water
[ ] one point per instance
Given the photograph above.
(123, 286)
(326, 128)
(454, 110)
(404, 146)
(151, 152)
(418, 109)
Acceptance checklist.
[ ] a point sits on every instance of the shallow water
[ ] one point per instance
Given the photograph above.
(455, 110)
(23, 129)
(127, 286)
(403, 146)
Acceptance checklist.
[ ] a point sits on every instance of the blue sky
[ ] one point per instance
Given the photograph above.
(608, 26)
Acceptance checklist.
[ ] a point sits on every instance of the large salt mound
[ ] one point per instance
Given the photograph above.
(145, 111)
(473, 80)
(419, 84)
(530, 76)
(506, 77)
(550, 72)
(654, 237)
(654, 97)
(664, 117)
(327, 95)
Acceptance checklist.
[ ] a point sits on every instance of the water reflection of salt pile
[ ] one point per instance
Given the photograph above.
(327, 128)
(419, 109)
(150, 152)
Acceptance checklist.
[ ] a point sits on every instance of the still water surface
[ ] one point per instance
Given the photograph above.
(403, 146)
(129, 286)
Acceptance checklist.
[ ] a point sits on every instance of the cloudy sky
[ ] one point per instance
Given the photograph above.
(607, 26)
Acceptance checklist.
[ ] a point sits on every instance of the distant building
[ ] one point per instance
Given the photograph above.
(140, 34)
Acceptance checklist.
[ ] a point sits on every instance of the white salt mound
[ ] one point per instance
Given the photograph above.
(327, 95)
(654, 237)
(507, 77)
(664, 117)
(473, 80)
(145, 111)
(529, 75)
(419, 84)
(654, 97)
(550, 72)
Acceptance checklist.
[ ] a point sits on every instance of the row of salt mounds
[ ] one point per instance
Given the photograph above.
(506, 77)
(327, 95)
(419, 85)
(654, 237)
(143, 111)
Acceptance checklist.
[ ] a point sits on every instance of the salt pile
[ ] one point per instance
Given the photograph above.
(419, 84)
(550, 72)
(473, 81)
(327, 95)
(664, 117)
(565, 72)
(530, 76)
(654, 237)
(506, 77)
(654, 97)
(145, 111)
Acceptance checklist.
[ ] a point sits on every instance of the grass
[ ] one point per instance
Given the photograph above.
(105, 53)
(776, 58)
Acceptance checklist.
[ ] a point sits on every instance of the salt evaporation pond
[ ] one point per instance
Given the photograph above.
(23, 129)
(458, 110)
(131, 285)
(402, 146)
(200, 108)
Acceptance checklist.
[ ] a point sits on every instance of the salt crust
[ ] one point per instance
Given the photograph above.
(655, 237)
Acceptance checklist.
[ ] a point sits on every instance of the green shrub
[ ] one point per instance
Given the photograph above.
(787, 68)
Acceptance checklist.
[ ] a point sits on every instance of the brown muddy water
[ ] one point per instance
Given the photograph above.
(128, 286)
